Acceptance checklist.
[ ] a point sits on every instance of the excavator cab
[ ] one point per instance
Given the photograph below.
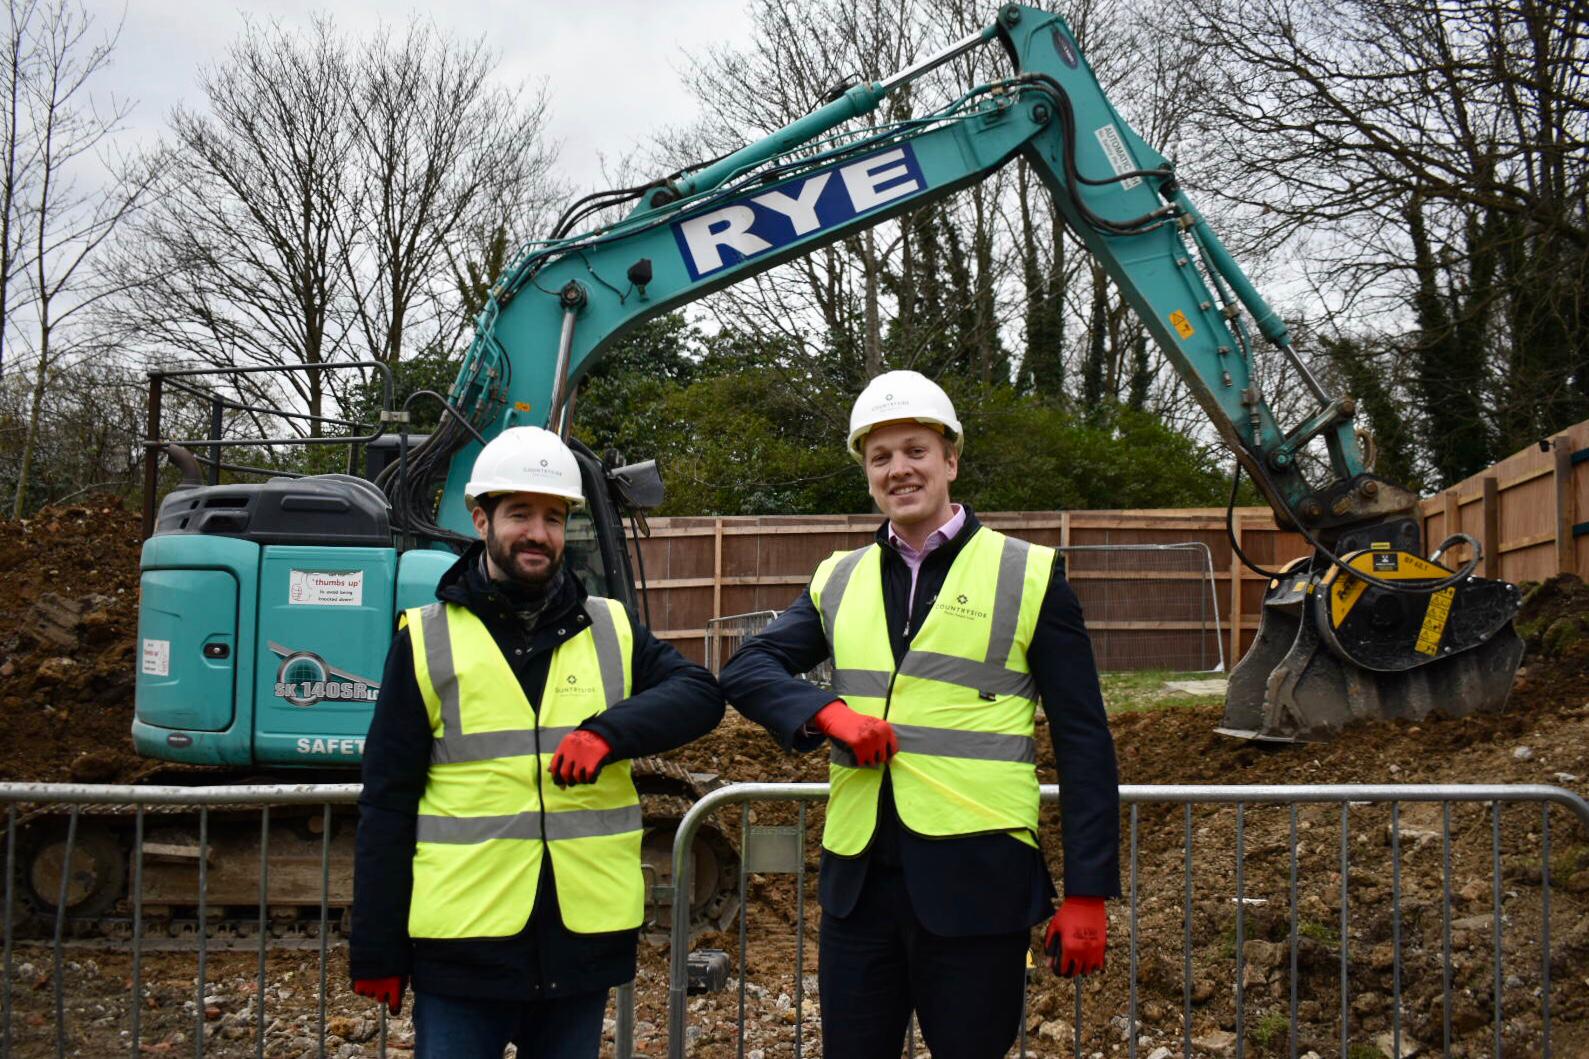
(266, 608)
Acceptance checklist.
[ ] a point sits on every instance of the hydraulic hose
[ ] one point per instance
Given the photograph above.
(1421, 589)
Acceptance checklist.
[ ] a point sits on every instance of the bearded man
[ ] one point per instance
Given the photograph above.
(498, 859)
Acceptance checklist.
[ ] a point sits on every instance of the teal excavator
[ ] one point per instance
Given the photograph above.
(267, 608)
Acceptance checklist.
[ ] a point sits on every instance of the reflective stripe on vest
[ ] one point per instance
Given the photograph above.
(961, 700)
(489, 815)
(457, 745)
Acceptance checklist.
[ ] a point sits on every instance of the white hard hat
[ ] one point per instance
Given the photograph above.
(525, 460)
(896, 395)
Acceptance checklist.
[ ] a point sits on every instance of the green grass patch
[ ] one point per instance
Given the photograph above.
(1270, 1030)
(1319, 932)
(1568, 862)
(1143, 689)
(1364, 1051)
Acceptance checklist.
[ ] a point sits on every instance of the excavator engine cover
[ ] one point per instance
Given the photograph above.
(1332, 649)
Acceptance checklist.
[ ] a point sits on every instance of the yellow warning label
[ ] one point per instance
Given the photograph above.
(1343, 597)
(1434, 622)
(1346, 590)
(1183, 326)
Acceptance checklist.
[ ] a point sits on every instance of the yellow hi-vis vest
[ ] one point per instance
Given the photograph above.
(962, 700)
(490, 811)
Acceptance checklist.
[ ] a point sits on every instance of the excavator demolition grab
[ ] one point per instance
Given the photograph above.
(266, 607)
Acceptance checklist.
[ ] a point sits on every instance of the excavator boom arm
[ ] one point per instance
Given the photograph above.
(562, 304)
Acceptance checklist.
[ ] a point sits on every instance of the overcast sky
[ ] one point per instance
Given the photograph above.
(612, 68)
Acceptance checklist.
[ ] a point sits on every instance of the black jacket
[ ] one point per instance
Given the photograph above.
(674, 702)
(978, 884)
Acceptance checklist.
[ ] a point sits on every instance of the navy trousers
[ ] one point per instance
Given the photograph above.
(878, 964)
(448, 1027)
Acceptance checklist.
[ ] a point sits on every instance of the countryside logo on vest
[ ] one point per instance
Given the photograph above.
(572, 686)
(960, 607)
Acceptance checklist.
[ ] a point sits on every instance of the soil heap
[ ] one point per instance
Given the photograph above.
(68, 630)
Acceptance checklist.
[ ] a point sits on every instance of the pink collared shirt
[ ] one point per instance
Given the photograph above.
(914, 557)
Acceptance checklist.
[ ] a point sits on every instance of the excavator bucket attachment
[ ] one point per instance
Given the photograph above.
(1332, 649)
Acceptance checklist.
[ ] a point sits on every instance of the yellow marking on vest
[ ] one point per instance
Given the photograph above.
(1434, 622)
(1183, 326)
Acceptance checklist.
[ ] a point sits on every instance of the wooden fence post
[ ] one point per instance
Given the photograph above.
(1566, 506)
(717, 568)
(1453, 525)
(1235, 596)
(1492, 526)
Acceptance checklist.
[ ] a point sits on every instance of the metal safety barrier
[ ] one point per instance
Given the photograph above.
(55, 800)
(783, 850)
(791, 857)
(140, 799)
(727, 634)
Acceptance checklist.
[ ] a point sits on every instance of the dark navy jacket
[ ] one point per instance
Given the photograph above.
(674, 702)
(978, 884)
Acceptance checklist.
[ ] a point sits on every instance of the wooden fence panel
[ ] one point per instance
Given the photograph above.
(1141, 611)
(1533, 527)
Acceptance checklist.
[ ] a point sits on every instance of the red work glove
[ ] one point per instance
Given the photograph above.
(579, 758)
(870, 739)
(388, 991)
(1077, 936)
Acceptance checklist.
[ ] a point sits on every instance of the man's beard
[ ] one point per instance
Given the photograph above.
(505, 559)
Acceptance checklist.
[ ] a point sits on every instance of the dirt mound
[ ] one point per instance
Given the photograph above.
(1554, 623)
(67, 635)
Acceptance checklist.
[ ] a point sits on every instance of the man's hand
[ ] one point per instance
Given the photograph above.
(388, 991)
(579, 758)
(1077, 936)
(870, 739)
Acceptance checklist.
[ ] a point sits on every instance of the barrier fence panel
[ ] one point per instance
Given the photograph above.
(1373, 903)
(727, 634)
(83, 866)
(1319, 852)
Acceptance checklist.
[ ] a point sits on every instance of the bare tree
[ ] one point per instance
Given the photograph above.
(326, 204)
(1439, 150)
(240, 260)
(800, 50)
(67, 223)
(16, 150)
(439, 149)
(988, 286)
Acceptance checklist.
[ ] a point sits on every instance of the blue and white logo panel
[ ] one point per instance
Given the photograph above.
(758, 224)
